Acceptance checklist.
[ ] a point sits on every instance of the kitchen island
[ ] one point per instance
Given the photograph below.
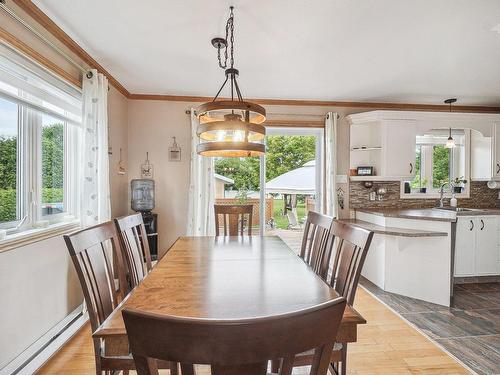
(413, 250)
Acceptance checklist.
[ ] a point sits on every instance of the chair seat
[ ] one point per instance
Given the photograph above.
(126, 362)
(306, 358)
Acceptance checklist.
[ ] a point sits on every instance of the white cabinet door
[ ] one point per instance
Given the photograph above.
(399, 149)
(465, 244)
(495, 159)
(486, 245)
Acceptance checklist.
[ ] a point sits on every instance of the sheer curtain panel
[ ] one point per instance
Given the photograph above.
(201, 198)
(95, 201)
(330, 159)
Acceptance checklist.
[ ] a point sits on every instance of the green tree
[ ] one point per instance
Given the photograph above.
(441, 166)
(285, 153)
(53, 156)
(244, 171)
(8, 162)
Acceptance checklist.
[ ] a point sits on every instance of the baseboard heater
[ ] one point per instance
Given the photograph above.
(34, 357)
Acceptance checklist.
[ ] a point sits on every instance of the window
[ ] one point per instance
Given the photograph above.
(40, 120)
(436, 165)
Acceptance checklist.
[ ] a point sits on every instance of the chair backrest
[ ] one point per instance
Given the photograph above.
(233, 218)
(135, 247)
(93, 251)
(235, 347)
(316, 247)
(352, 244)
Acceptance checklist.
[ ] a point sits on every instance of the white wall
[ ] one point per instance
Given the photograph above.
(118, 138)
(151, 126)
(38, 288)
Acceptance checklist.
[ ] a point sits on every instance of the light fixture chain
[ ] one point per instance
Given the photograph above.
(231, 18)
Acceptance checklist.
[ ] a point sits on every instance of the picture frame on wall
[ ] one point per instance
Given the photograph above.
(147, 168)
(174, 152)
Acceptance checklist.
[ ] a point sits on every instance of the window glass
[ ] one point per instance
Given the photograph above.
(52, 139)
(8, 161)
(419, 181)
(440, 166)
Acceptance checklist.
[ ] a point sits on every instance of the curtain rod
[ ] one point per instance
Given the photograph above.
(14, 16)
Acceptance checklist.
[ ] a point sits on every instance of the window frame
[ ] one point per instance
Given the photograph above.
(426, 164)
(29, 170)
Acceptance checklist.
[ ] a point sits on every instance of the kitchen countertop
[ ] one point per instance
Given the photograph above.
(428, 213)
(388, 231)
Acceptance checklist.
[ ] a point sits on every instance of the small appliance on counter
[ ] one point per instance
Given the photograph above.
(143, 201)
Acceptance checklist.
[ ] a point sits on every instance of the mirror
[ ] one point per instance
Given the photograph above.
(436, 164)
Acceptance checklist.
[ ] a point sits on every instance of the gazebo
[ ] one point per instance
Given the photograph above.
(300, 181)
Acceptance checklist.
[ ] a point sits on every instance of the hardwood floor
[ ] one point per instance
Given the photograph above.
(386, 345)
(470, 329)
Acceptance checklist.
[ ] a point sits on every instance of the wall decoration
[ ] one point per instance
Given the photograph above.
(147, 168)
(121, 166)
(174, 152)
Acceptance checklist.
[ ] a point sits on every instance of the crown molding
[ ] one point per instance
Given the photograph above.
(42, 19)
(328, 103)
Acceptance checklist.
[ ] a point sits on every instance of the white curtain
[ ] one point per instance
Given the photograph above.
(330, 160)
(95, 203)
(201, 221)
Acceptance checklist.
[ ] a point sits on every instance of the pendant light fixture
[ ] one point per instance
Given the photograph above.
(450, 142)
(230, 128)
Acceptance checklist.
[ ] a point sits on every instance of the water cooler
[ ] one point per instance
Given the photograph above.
(143, 201)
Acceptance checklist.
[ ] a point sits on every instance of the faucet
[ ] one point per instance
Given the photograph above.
(441, 194)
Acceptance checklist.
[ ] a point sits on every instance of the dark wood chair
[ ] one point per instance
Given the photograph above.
(235, 347)
(233, 219)
(351, 246)
(316, 243)
(93, 251)
(135, 247)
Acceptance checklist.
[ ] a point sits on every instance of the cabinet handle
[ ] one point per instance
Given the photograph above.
(482, 224)
(411, 168)
(498, 168)
(471, 225)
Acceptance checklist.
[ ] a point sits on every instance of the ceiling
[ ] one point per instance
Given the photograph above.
(377, 51)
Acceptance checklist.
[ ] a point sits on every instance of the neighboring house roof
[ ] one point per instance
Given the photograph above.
(297, 181)
(227, 180)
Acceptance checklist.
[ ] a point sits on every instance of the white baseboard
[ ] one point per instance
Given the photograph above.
(30, 360)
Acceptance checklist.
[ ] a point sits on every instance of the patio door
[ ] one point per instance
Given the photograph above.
(291, 179)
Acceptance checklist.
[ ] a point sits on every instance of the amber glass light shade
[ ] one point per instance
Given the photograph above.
(231, 129)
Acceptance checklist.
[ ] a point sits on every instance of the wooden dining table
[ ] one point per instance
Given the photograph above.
(226, 278)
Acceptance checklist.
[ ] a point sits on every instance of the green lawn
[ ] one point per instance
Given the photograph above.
(280, 219)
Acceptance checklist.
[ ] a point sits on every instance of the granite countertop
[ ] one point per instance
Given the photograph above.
(388, 231)
(429, 213)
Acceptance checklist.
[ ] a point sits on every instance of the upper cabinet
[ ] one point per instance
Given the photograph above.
(387, 141)
(495, 152)
(387, 146)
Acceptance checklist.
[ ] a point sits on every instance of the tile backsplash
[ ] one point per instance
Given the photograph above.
(480, 197)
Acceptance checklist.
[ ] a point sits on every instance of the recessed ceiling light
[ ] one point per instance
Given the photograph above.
(496, 28)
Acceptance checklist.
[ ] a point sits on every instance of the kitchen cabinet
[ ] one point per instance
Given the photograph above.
(495, 160)
(386, 145)
(398, 152)
(486, 246)
(464, 247)
(476, 246)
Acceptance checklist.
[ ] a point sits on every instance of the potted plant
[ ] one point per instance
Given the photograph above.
(423, 186)
(242, 196)
(458, 184)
